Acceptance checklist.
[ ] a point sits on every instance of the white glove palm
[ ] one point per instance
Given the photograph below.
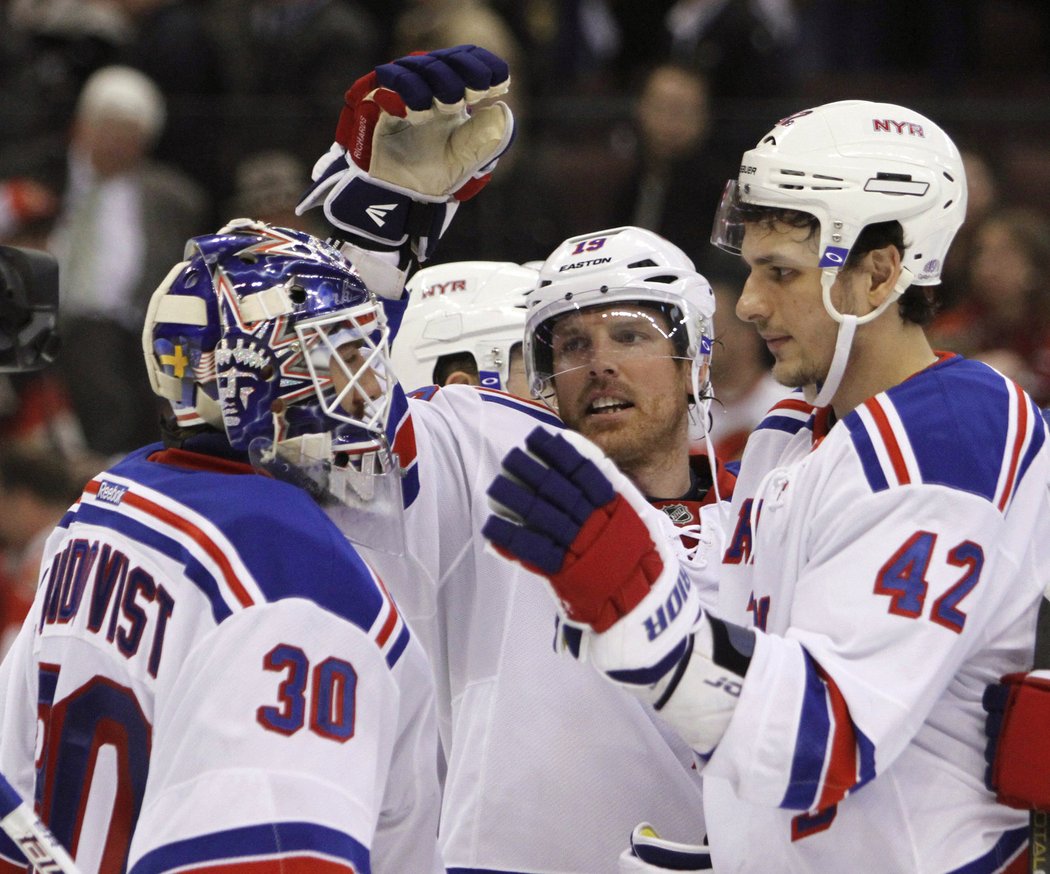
(413, 142)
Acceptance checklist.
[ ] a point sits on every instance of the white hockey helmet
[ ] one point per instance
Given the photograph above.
(465, 306)
(621, 265)
(851, 164)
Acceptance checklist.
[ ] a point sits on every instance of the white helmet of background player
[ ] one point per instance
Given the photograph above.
(852, 164)
(624, 265)
(475, 307)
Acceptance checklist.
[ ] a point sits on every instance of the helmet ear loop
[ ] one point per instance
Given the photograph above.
(700, 413)
(546, 393)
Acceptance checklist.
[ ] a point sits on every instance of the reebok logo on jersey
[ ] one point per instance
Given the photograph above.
(378, 212)
(111, 493)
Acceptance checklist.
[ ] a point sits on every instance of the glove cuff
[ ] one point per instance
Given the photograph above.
(701, 695)
(379, 271)
(380, 215)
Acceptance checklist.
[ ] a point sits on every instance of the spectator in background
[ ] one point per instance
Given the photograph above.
(50, 47)
(36, 489)
(25, 206)
(36, 414)
(1005, 316)
(287, 64)
(427, 24)
(745, 46)
(268, 186)
(124, 220)
(745, 389)
(517, 218)
(674, 165)
(983, 196)
(173, 45)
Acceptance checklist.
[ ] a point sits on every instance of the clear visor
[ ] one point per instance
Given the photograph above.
(360, 494)
(592, 337)
(728, 230)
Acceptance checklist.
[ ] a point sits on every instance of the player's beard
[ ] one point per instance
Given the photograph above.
(657, 428)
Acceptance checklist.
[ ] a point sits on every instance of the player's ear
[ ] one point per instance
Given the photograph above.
(461, 377)
(882, 267)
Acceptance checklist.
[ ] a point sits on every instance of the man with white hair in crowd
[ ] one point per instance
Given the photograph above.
(124, 220)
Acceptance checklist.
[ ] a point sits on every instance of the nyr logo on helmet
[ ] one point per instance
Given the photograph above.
(111, 493)
(439, 288)
(888, 125)
(834, 256)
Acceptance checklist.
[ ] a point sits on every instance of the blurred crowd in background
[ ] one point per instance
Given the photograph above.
(127, 126)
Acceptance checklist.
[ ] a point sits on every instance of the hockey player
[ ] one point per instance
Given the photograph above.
(210, 675)
(464, 325)
(549, 766)
(888, 541)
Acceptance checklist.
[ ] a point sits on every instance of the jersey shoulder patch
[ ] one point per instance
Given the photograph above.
(958, 424)
(242, 541)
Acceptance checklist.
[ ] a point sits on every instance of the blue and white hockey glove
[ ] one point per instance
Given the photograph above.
(651, 853)
(565, 512)
(411, 144)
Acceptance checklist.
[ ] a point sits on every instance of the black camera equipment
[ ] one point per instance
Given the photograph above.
(28, 309)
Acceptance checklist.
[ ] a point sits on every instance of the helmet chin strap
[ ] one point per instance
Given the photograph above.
(698, 423)
(848, 328)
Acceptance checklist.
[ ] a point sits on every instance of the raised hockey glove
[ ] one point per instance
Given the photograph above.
(651, 853)
(1017, 754)
(565, 512)
(411, 144)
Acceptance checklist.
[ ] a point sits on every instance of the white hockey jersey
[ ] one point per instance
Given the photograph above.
(220, 681)
(550, 766)
(896, 562)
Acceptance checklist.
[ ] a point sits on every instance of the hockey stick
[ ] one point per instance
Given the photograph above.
(1037, 823)
(1039, 820)
(33, 838)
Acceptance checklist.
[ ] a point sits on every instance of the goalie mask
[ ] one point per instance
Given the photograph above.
(625, 265)
(269, 335)
(475, 307)
(851, 164)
